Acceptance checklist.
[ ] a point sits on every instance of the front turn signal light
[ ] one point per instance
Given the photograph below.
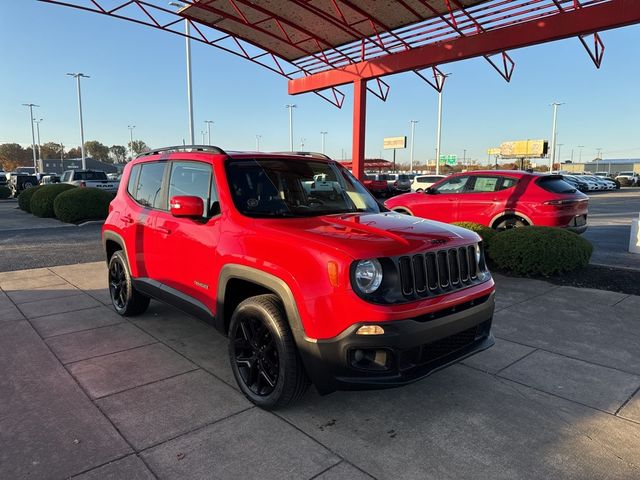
(332, 270)
(370, 330)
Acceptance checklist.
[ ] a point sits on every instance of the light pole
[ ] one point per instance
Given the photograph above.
(413, 131)
(131, 127)
(291, 106)
(598, 157)
(302, 140)
(553, 134)
(324, 134)
(33, 135)
(258, 137)
(78, 76)
(580, 147)
(203, 134)
(441, 79)
(37, 122)
(61, 153)
(559, 157)
(187, 37)
(209, 123)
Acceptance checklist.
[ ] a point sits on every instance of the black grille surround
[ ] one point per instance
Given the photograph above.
(408, 278)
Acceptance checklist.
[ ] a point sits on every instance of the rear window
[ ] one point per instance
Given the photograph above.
(403, 177)
(90, 176)
(555, 185)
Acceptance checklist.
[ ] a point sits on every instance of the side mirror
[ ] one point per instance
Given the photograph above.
(186, 206)
(430, 190)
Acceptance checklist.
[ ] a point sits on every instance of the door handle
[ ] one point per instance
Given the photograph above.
(127, 219)
(164, 230)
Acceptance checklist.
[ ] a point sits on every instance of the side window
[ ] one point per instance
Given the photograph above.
(508, 183)
(214, 201)
(133, 178)
(65, 176)
(483, 184)
(453, 185)
(192, 178)
(149, 188)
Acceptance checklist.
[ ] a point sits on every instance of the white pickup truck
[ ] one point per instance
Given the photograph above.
(91, 179)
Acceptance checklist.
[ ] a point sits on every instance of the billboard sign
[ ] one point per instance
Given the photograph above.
(494, 151)
(524, 149)
(394, 142)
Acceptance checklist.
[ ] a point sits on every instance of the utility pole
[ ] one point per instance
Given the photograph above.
(553, 134)
(187, 33)
(324, 134)
(131, 127)
(33, 135)
(203, 134)
(464, 156)
(209, 123)
(258, 137)
(78, 76)
(559, 157)
(37, 122)
(291, 106)
(61, 154)
(413, 131)
(599, 157)
(441, 78)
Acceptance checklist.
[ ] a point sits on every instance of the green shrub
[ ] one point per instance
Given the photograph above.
(82, 204)
(5, 192)
(24, 199)
(539, 251)
(486, 233)
(42, 201)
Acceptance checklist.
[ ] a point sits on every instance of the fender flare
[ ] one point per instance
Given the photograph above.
(110, 235)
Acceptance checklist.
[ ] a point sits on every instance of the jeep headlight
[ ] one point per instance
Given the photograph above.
(368, 275)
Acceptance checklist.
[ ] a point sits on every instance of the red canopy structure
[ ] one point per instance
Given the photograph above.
(320, 45)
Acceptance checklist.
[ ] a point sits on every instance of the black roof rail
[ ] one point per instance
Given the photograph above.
(306, 154)
(183, 148)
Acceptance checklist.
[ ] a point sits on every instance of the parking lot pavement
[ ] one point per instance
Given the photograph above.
(610, 215)
(87, 393)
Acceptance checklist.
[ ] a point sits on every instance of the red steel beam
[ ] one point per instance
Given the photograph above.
(359, 124)
(583, 21)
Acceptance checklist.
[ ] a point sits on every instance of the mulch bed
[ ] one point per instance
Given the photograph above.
(595, 276)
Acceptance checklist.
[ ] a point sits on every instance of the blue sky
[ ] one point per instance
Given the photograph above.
(138, 77)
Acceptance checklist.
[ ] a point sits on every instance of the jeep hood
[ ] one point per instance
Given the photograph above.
(367, 235)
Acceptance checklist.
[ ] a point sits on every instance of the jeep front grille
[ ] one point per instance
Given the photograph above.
(433, 273)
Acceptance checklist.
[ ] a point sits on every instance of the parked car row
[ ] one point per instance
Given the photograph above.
(590, 183)
(24, 178)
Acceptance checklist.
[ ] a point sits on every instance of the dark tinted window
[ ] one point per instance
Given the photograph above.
(190, 178)
(133, 178)
(149, 189)
(90, 176)
(508, 182)
(555, 185)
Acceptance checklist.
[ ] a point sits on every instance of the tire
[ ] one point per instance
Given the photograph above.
(510, 222)
(263, 354)
(419, 190)
(126, 300)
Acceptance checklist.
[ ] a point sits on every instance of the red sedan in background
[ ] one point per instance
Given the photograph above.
(499, 199)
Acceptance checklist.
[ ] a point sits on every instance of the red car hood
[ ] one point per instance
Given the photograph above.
(365, 235)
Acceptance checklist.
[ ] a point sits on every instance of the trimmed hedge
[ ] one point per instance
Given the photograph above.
(82, 204)
(5, 192)
(485, 232)
(42, 201)
(24, 199)
(539, 251)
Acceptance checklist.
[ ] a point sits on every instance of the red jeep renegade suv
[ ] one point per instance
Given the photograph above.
(294, 260)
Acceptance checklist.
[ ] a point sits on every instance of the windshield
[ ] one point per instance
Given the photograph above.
(275, 187)
(90, 175)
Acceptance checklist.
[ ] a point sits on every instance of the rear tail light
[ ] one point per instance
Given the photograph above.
(561, 202)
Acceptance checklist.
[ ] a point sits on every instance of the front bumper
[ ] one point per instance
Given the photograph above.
(415, 348)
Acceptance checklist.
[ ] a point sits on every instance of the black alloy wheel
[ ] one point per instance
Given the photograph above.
(256, 356)
(511, 222)
(126, 300)
(263, 353)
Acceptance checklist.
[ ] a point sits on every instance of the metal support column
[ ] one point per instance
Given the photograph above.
(359, 127)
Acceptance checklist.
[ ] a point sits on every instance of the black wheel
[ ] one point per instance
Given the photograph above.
(420, 190)
(263, 354)
(511, 222)
(126, 300)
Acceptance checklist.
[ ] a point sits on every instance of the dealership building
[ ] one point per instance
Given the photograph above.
(611, 166)
(57, 166)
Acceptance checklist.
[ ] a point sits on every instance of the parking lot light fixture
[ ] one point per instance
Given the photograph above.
(290, 106)
(33, 135)
(413, 131)
(37, 122)
(258, 137)
(131, 127)
(209, 123)
(78, 76)
(552, 155)
(187, 36)
(324, 134)
(580, 147)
